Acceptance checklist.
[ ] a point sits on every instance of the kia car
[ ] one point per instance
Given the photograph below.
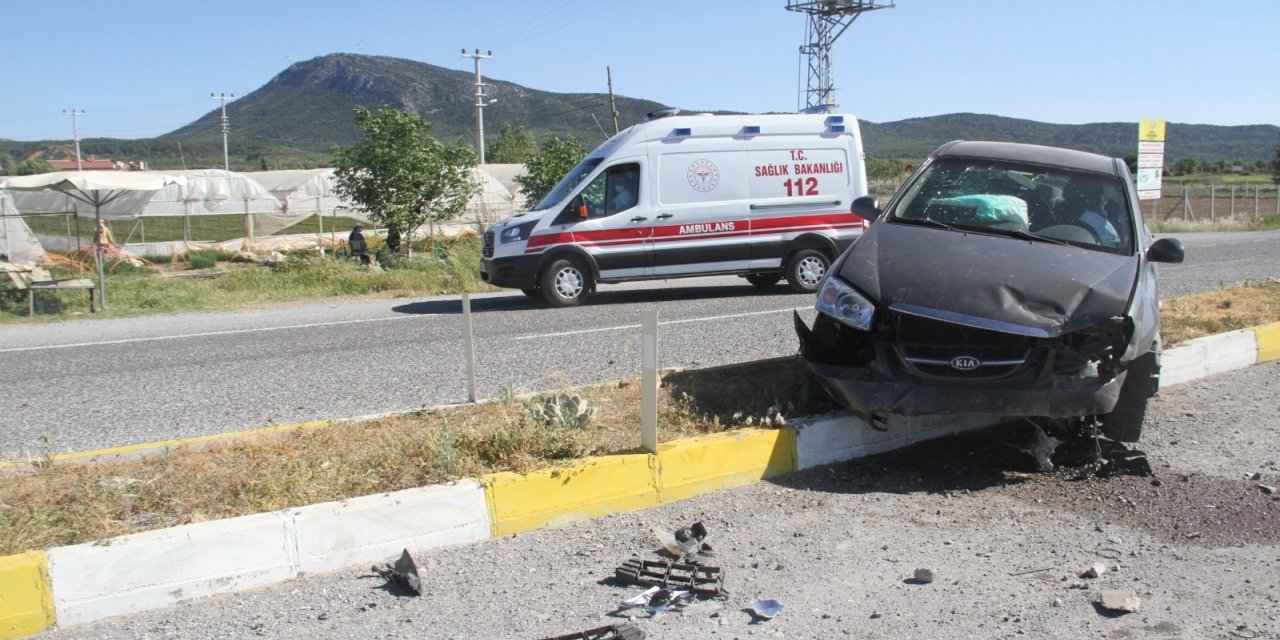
(1001, 279)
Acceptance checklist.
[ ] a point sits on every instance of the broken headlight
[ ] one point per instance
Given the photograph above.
(845, 304)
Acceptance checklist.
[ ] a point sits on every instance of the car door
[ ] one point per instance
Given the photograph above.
(615, 230)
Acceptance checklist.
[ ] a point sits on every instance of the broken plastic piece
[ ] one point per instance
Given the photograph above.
(625, 631)
(685, 541)
(404, 573)
(657, 600)
(702, 580)
(766, 609)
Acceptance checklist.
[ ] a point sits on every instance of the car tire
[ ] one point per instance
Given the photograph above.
(806, 269)
(566, 283)
(763, 280)
(1124, 423)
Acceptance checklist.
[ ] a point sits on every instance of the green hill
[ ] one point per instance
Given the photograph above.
(294, 121)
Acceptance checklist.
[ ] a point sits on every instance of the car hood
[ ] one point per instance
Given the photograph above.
(1037, 289)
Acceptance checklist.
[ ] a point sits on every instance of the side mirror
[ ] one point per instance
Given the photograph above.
(866, 207)
(1166, 250)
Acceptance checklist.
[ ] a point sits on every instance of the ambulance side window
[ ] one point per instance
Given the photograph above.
(623, 189)
(615, 190)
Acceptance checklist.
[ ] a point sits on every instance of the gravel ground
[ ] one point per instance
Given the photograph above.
(1198, 542)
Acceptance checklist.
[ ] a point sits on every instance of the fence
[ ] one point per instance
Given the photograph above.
(1214, 202)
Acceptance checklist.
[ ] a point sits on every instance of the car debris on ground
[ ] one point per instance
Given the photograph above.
(624, 631)
(658, 600)
(403, 573)
(766, 609)
(685, 541)
(701, 580)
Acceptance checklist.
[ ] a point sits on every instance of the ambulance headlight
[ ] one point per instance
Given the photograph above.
(846, 305)
(518, 233)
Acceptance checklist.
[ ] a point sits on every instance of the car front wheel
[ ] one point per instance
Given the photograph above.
(1124, 423)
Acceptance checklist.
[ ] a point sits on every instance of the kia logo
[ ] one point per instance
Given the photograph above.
(965, 363)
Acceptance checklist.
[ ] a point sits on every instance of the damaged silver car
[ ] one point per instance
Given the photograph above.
(1002, 279)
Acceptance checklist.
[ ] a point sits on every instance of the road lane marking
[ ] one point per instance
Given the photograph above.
(212, 333)
(637, 325)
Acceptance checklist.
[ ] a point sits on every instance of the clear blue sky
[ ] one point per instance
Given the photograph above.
(140, 68)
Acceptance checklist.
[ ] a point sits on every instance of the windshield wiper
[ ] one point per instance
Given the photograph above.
(926, 222)
(1023, 235)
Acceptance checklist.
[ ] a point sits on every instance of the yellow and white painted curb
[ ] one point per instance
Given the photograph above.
(86, 582)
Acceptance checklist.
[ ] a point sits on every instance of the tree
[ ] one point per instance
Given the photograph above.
(514, 145)
(32, 167)
(548, 166)
(1185, 166)
(402, 176)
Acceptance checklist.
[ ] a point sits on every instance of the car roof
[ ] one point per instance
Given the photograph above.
(1031, 153)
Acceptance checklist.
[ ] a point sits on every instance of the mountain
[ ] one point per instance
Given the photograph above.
(309, 105)
(296, 119)
(916, 137)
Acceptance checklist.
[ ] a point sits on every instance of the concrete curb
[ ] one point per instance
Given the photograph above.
(86, 582)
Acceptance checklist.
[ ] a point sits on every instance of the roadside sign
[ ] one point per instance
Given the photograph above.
(1149, 179)
(1150, 160)
(1151, 130)
(1150, 147)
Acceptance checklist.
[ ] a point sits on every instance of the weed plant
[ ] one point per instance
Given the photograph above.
(44, 505)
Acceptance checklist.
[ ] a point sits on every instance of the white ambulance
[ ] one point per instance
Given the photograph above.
(761, 196)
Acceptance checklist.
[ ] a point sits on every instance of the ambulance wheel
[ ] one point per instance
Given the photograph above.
(763, 280)
(566, 283)
(805, 270)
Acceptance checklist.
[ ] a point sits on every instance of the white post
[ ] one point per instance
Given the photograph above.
(649, 380)
(248, 219)
(469, 347)
(1212, 213)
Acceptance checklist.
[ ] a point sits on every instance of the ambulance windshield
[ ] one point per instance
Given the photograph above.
(568, 182)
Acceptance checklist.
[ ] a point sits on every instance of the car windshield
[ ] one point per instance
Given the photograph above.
(568, 182)
(1023, 201)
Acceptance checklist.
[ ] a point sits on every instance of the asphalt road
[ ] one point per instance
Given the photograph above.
(89, 384)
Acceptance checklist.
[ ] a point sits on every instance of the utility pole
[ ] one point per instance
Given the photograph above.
(613, 106)
(480, 101)
(226, 126)
(828, 19)
(75, 132)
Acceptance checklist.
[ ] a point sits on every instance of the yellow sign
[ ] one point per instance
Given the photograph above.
(1151, 130)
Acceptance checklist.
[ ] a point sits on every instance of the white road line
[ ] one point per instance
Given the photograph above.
(637, 325)
(212, 333)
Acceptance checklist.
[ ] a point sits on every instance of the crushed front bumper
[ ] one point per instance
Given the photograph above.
(877, 387)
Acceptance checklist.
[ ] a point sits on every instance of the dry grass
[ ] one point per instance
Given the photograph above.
(53, 505)
(1194, 316)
